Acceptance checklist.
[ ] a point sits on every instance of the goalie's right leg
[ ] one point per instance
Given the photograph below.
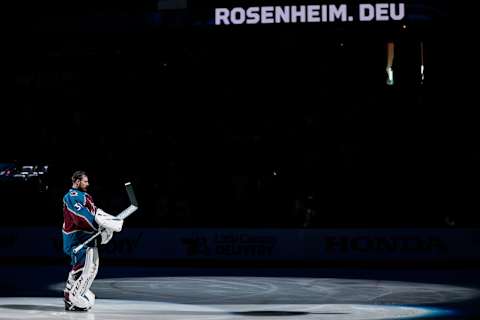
(80, 295)
(72, 277)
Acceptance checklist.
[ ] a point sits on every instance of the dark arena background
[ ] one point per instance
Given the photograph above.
(318, 166)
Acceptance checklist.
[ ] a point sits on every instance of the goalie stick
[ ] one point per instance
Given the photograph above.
(122, 215)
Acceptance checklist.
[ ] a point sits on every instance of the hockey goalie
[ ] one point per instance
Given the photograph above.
(82, 220)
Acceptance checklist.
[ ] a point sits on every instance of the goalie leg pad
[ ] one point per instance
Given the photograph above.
(78, 295)
(91, 297)
(72, 277)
